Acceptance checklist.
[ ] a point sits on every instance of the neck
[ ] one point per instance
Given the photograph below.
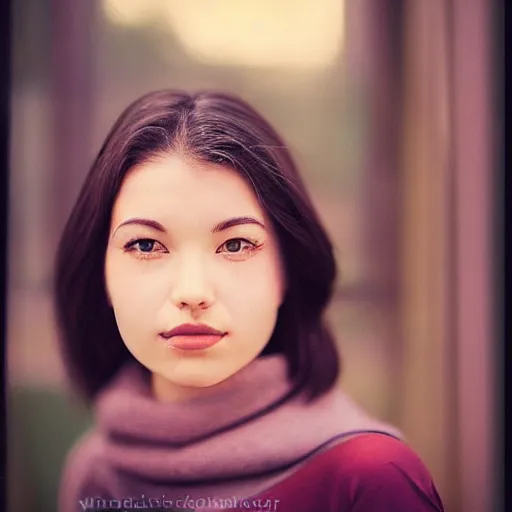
(165, 391)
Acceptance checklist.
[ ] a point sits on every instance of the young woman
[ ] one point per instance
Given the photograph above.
(191, 281)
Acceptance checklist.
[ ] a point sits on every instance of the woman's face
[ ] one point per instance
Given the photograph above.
(190, 244)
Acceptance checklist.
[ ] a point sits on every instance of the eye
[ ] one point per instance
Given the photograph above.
(236, 245)
(238, 249)
(144, 247)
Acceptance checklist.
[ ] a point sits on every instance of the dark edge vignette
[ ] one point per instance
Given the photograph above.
(501, 270)
(5, 96)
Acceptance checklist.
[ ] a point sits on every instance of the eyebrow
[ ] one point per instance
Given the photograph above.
(236, 221)
(153, 224)
(221, 226)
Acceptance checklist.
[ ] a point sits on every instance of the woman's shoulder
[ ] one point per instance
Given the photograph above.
(366, 452)
(361, 473)
(80, 472)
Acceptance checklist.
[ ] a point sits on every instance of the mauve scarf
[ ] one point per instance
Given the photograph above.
(237, 439)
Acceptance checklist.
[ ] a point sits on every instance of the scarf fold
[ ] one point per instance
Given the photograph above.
(240, 430)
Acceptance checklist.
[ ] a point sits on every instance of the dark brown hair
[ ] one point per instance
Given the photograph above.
(216, 128)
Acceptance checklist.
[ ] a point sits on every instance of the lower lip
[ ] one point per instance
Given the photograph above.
(193, 342)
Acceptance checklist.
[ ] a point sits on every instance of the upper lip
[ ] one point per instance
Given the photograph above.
(192, 329)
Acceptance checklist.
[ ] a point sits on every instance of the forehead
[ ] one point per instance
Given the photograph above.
(171, 185)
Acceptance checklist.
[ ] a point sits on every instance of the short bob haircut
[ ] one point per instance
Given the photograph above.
(216, 128)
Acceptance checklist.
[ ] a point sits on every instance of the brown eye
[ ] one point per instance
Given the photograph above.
(238, 249)
(236, 245)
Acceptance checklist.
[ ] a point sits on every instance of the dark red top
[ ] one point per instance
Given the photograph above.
(367, 473)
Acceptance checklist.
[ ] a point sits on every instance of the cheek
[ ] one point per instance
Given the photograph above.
(130, 281)
(255, 293)
(132, 295)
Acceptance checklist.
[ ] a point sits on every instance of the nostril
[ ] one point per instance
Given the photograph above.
(201, 305)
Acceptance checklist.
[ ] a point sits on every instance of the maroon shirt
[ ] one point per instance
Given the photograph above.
(367, 473)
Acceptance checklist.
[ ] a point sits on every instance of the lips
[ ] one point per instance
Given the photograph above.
(192, 330)
(192, 337)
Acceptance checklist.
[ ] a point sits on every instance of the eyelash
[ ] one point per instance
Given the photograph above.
(131, 247)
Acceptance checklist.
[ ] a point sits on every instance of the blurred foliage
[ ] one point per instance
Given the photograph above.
(42, 427)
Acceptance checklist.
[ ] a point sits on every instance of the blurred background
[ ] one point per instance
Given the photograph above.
(390, 109)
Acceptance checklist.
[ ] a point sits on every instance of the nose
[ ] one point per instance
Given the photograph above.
(191, 287)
